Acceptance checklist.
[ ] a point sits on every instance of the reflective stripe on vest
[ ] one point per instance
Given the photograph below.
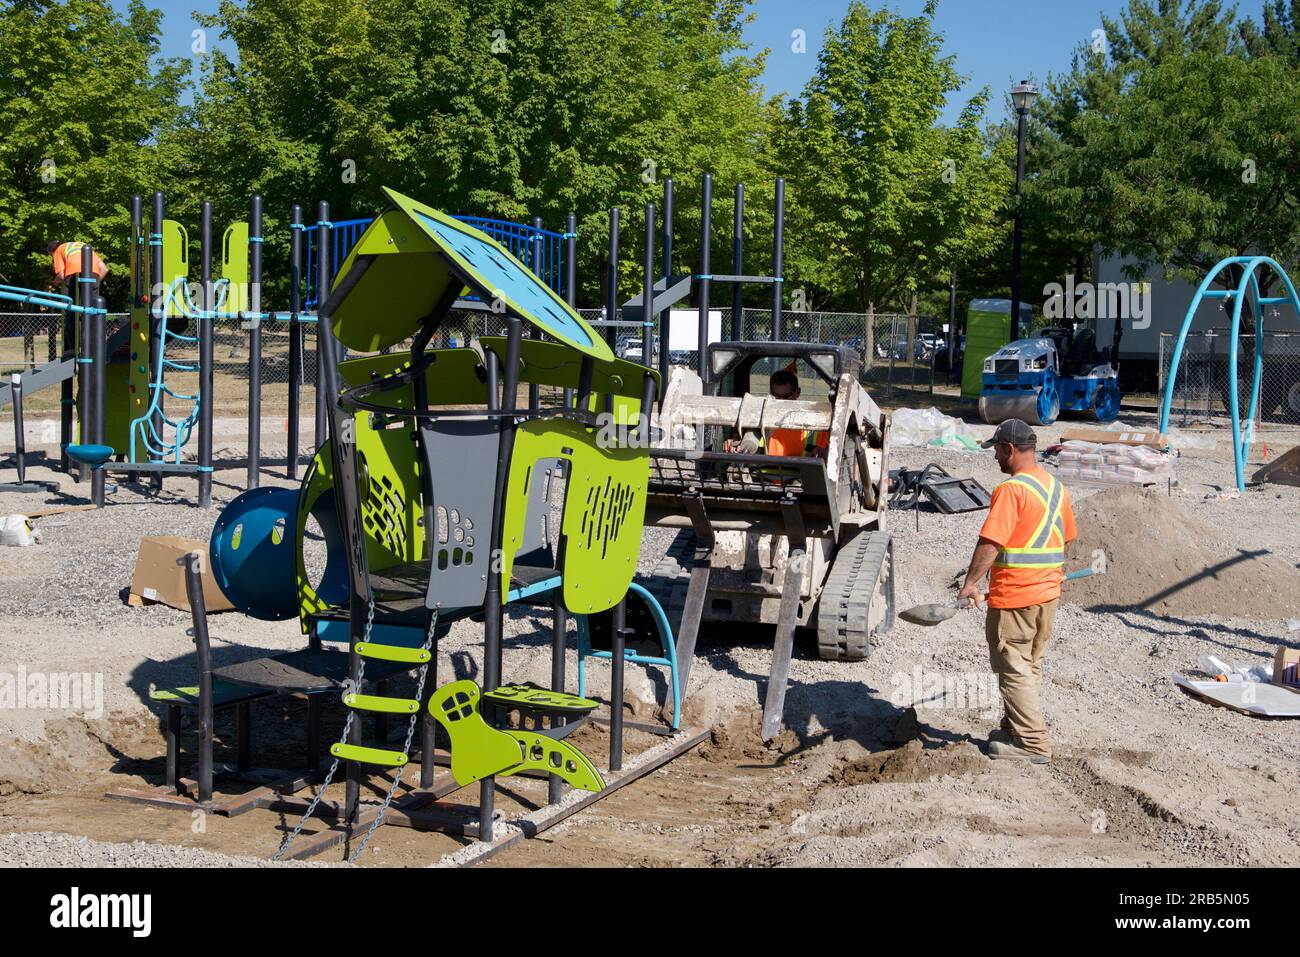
(1039, 553)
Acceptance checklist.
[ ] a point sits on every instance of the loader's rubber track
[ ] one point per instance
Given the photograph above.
(861, 573)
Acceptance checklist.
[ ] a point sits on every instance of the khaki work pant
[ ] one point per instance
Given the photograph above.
(1018, 640)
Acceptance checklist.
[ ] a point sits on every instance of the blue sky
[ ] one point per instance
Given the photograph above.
(996, 41)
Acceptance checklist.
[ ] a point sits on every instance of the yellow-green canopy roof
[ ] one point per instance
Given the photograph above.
(419, 256)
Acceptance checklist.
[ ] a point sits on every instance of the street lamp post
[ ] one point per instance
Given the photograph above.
(1023, 95)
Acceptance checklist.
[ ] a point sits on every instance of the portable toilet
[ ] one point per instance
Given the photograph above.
(988, 329)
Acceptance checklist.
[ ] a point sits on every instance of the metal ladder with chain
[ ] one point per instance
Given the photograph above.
(355, 702)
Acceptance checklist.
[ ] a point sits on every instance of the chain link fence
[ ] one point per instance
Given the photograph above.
(900, 354)
(898, 351)
(1202, 391)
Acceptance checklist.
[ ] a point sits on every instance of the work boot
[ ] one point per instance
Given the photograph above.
(997, 734)
(1006, 749)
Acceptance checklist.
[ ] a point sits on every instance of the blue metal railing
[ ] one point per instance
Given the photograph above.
(516, 237)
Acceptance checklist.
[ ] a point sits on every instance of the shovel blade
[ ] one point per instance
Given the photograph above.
(928, 614)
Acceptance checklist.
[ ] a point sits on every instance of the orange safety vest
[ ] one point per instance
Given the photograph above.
(1043, 544)
(796, 441)
(67, 262)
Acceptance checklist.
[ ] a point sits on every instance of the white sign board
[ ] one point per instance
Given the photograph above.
(684, 329)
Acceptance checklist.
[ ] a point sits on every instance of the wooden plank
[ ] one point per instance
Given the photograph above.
(162, 798)
(530, 825)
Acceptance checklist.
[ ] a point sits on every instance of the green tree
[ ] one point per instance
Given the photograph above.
(1278, 34)
(506, 108)
(84, 100)
(1179, 148)
(884, 199)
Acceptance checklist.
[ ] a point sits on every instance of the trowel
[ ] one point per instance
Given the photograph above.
(935, 614)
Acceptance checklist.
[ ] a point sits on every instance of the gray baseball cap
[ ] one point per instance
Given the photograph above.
(1012, 431)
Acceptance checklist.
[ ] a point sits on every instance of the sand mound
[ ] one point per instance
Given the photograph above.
(1161, 557)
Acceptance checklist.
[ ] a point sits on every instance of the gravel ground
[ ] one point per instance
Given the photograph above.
(40, 848)
(880, 764)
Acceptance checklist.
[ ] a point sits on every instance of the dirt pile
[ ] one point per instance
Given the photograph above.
(1163, 558)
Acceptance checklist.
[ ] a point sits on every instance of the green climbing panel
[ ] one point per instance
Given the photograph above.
(412, 656)
(531, 697)
(370, 702)
(234, 267)
(391, 512)
(541, 753)
(479, 751)
(604, 509)
(377, 756)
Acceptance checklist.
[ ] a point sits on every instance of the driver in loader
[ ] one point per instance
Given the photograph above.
(798, 443)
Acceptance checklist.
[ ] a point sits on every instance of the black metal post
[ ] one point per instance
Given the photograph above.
(205, 333)
(20, 435)
(492, 609)
(778, 257)
(571, 260)
(157, 314)
(738, 266)
(139, 285)
(254, 343)
(66, 401)
(295, 339)
(203, 655)
(98, 358)
(559, 628)
(1022, 126)
(704, 277)
(666, 316)
(538, 250)
(139, 295)
(570, 277)
(86, 296)
(322, 292)
(648, 294)
(611, 281)
(618, 645)
(952, 322)
(586, 370)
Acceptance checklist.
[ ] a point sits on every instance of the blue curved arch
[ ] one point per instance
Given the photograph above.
(1250, 266)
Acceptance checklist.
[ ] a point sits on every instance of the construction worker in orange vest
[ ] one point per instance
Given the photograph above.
(797, 442)
(1022, 549)
(67, 262)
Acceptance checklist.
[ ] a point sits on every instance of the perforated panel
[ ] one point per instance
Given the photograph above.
(604, 513)
(460, 459)
(604, 509)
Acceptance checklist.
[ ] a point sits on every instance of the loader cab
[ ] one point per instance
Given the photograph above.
(737, 368)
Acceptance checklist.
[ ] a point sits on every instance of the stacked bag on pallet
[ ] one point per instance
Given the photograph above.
(1113, 463)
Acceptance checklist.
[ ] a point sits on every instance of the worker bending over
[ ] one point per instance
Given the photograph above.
(67, 262)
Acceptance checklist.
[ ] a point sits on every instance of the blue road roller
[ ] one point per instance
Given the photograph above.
(1061, 370)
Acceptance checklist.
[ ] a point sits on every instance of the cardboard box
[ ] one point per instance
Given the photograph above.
(1286, 668)
(1103, 437)
(160, 574)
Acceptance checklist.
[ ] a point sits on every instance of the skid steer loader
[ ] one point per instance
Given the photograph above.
(789, 541)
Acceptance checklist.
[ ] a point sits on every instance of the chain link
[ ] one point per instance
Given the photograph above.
(347, 727)
(406, 748)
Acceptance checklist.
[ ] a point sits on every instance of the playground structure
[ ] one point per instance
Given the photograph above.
(137, 432)
(416, 494)
(552, 256)
(398, 491)
(1244, 272)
